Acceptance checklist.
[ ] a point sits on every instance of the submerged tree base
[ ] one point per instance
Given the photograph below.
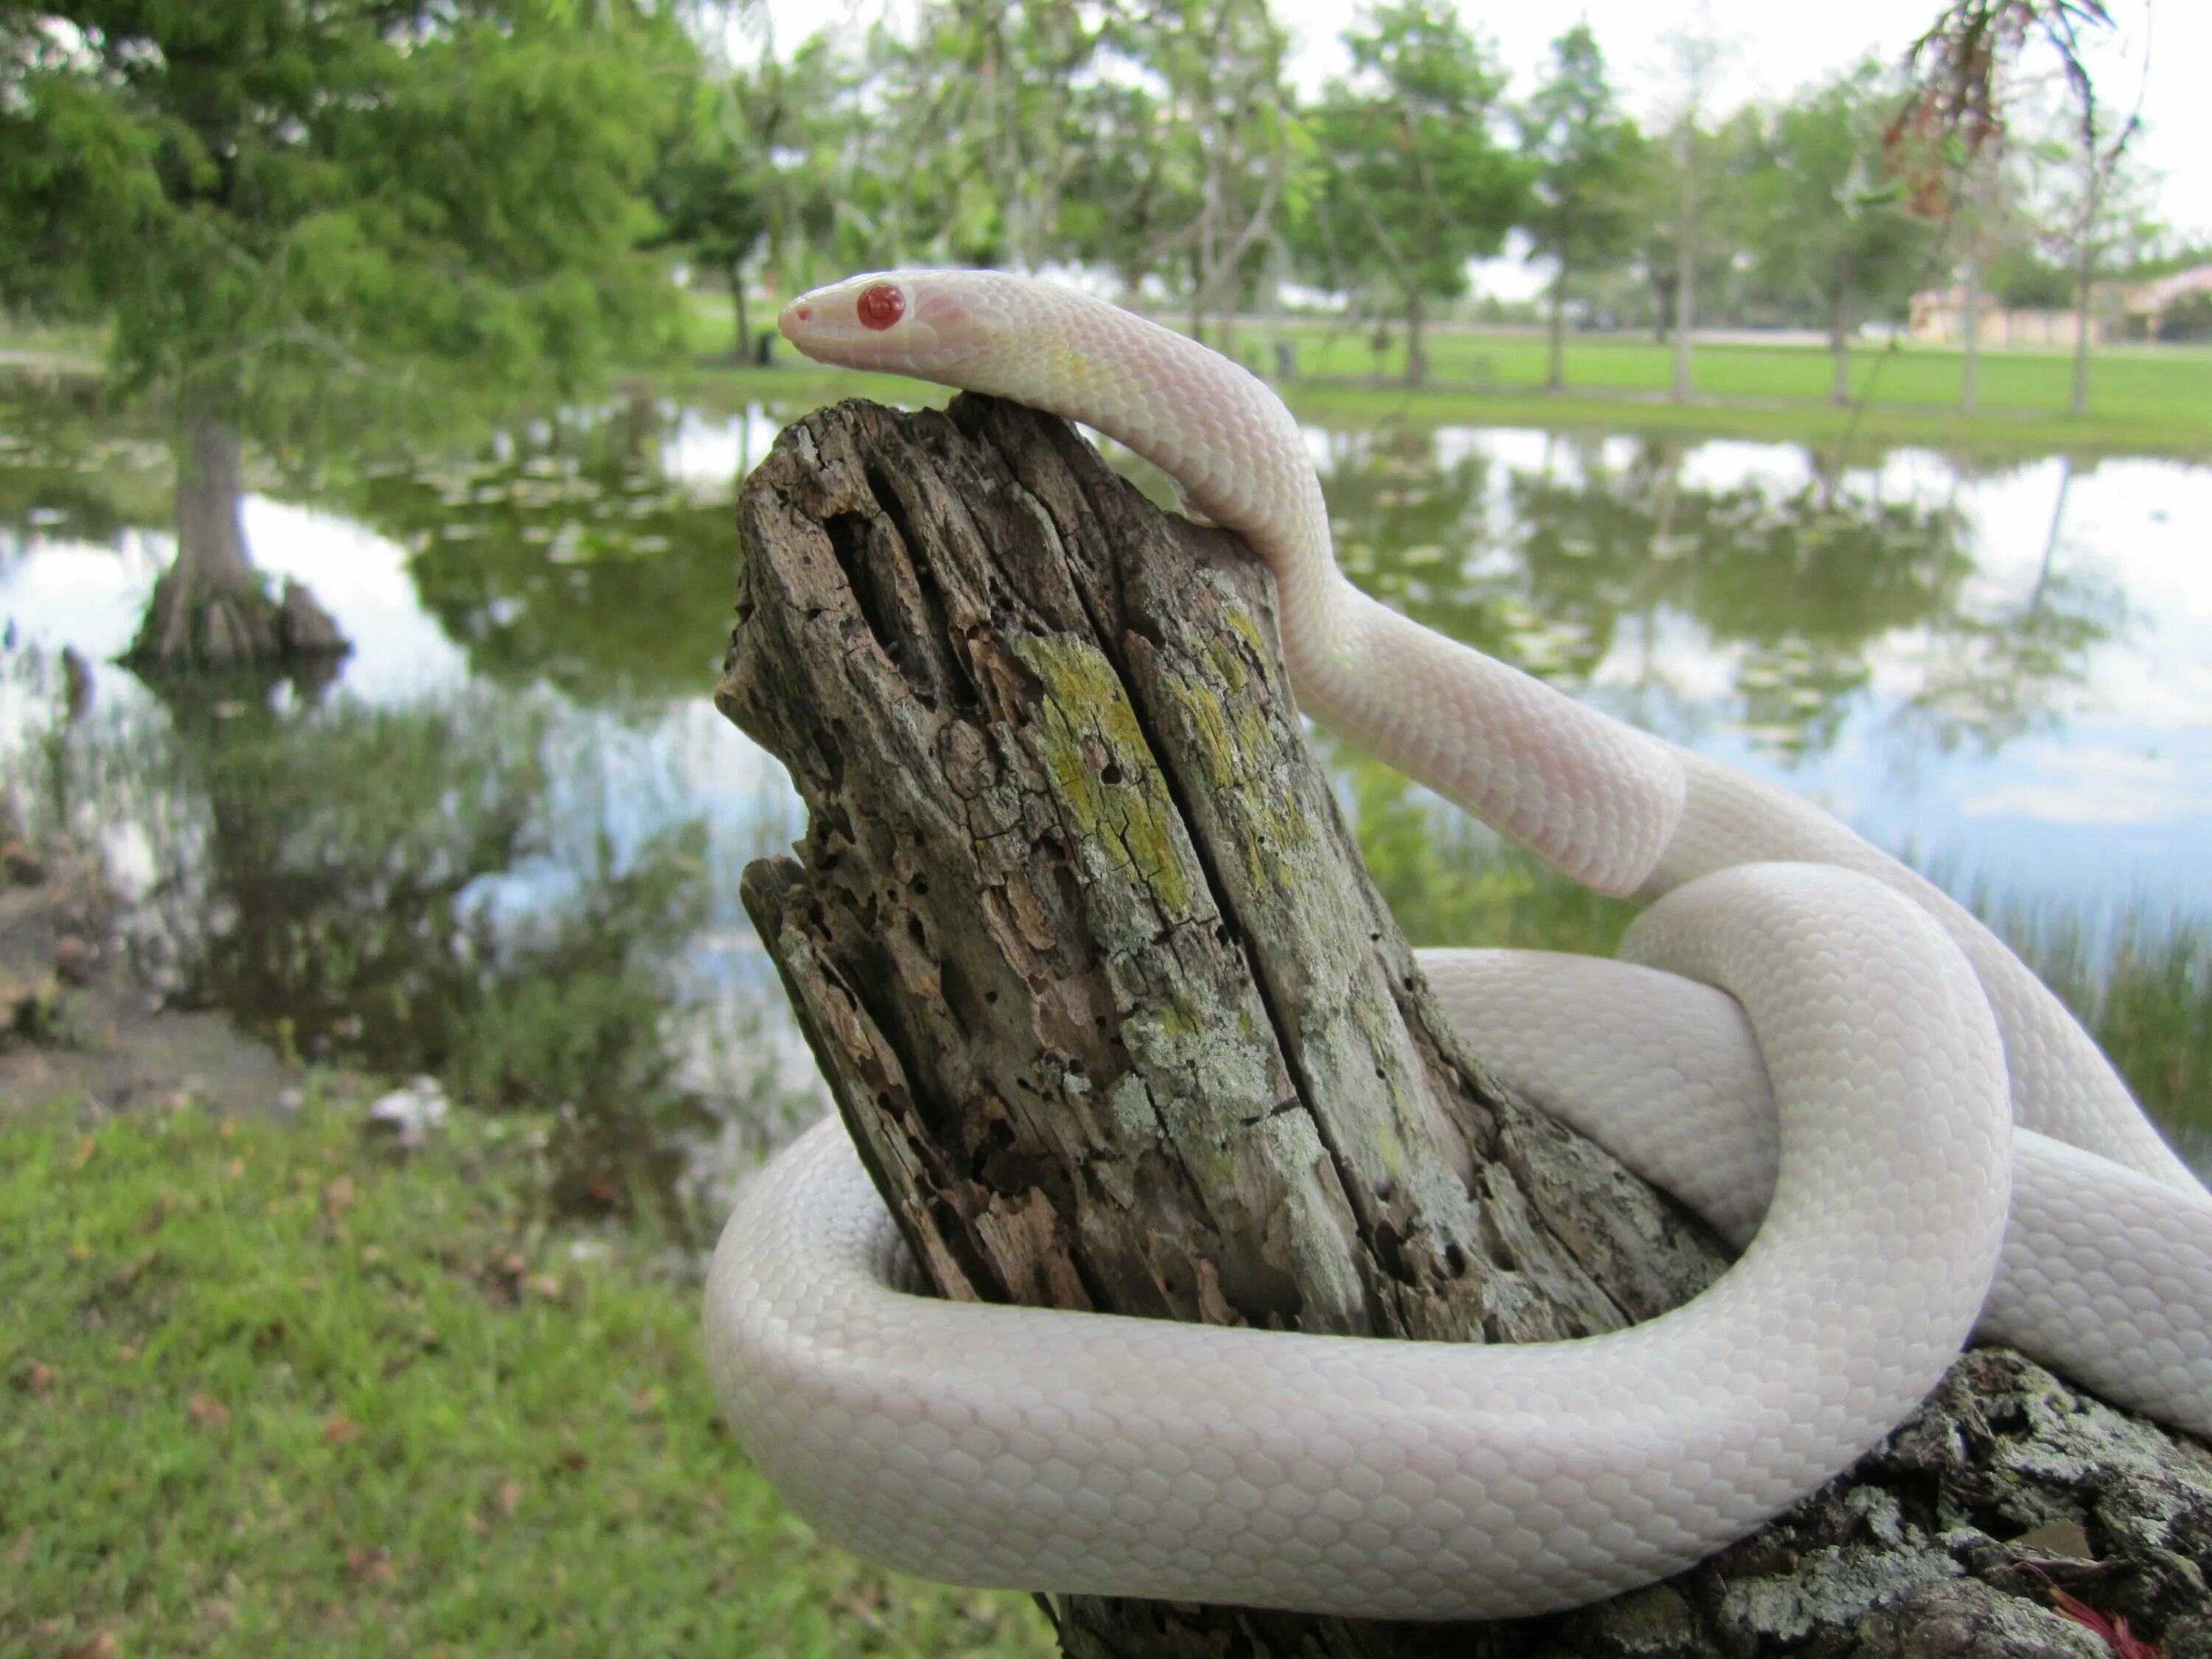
(188, 630)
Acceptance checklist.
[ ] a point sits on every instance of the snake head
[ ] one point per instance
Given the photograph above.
(937, 325)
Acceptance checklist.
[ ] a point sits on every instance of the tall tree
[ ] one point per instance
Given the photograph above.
(1830, 231)
(300, 215)
(2093, 218)
(1586, 155)
(713, 190)
(1683, 237)
(1226, 121)
(1409, 182)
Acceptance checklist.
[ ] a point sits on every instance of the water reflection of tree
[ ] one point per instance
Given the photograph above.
(1793, 589)
(69, 469)
(323, 874)
(568, 553)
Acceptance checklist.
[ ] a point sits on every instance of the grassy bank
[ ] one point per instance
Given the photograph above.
(269, 1391)
(2143, 401)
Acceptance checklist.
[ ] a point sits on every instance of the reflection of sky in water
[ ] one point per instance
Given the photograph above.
(2116, 797)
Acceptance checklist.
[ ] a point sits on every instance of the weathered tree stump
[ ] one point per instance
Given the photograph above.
(1085, 950)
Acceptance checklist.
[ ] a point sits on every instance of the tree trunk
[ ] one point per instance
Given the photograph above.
(1082, 944)
(209, 610)
(1662, 308)
(2077, 401)
(1417, 350)
(1685, 265)
(1556, 379)
(1970, 338)
(737, 276)
(1839, 344)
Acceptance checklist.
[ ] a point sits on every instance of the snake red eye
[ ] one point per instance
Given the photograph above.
(880, 305)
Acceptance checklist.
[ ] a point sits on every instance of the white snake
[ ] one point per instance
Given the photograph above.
(1847, 1083)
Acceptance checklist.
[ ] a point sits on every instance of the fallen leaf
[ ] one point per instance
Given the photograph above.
(510, 1495)
(339, 1430)
(338, 1197)
(547, 1286)
(209, 1412)
(234, 1169)
(372, 1254)
(85, 1148)
(574, 1458)
(20, 1551)
(428, 1336)
(269, 1334)
(38, 1376)
(368, 1566)
(103, 1646)
(127, 1351)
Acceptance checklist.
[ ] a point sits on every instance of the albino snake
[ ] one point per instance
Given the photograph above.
(1847, 1082)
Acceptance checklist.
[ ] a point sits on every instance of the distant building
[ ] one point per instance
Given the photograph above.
(2157, 310)
(2116, 311)
(1940, 315)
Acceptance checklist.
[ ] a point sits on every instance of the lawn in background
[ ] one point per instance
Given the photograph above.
(2150, 400)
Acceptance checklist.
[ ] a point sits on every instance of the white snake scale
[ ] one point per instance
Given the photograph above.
(1916, 1139)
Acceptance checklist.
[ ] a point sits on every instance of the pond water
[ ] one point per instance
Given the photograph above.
(2004, 671)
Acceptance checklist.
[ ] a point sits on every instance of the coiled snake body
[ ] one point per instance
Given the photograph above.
(1806, 1041)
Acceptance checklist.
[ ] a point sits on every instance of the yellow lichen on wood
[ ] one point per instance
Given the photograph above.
(1083, 699)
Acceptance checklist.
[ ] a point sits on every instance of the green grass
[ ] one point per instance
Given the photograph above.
(268, 1391)
(2143, 400)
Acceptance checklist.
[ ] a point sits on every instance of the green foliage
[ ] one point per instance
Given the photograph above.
(271, 1390)
(1828, 230)
(713, 189)
(1408, 184)
(305, 215)
(1585, 155)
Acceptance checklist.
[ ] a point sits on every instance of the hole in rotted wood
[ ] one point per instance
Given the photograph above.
(1110, 772)
(990, 996)
(922, 886)
(849, 535)
(1390, 1252)
(915, 931)
(1455, 1259)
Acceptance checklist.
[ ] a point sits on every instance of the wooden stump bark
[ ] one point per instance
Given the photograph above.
(1084, 948)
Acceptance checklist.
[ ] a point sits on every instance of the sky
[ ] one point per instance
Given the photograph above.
(1770, 49)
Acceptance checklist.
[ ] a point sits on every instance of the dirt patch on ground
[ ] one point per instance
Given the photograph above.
(77, 1021)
